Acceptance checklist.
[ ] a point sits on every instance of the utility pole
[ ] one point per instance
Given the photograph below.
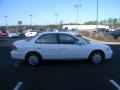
(6, 22)
(31, 20)
(77, 13)
(97, 12)
(56, 16)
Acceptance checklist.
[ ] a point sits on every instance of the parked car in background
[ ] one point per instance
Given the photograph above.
(47, 30)
(59, 46)
(30, 33)
(3, 33)
(75, 32)
(51, 30)
(111, 29)
(71, 31)
(104, 30)
(12, 33)
(21, 33)
(115, 33)
(41, 30)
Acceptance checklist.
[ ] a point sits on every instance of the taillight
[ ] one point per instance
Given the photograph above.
(14, 47)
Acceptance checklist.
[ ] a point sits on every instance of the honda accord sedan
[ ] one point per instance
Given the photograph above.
(59, 46)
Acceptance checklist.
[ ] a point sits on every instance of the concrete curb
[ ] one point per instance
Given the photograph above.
(110, 43)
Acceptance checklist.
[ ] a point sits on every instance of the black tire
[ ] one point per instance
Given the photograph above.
(96, 57)
(33, 59)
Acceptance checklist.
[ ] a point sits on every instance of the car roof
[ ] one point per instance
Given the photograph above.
(55, 33)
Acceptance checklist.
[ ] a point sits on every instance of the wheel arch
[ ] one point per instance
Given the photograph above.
(33, 52)
(97, 50)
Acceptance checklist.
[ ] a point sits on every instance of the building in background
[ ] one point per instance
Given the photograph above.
(85, 27)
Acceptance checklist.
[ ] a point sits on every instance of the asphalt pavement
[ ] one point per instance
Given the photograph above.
(69, 75)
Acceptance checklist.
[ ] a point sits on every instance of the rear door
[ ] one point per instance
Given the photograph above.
(47, 46)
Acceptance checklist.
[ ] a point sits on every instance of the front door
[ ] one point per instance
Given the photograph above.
(70, 49)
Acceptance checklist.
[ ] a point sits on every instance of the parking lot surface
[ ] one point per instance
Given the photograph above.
(16, 75)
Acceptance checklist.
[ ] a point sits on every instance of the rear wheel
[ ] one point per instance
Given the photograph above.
(33, 59)
(96, 57)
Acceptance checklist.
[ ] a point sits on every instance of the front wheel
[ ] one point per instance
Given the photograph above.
(33, 59)
(97, 57)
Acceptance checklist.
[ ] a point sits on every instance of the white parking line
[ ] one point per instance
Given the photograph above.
(115, 84)
(18, 85)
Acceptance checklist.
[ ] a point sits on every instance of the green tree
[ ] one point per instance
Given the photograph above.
(115, 23)
(109, 22)
(90, 23)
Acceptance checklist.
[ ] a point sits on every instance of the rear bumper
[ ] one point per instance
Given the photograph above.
(17, 55)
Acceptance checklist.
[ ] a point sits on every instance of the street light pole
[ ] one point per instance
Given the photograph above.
(97, 21)
(6, 23)
(30, 21)
(77, 13)
(56, 15)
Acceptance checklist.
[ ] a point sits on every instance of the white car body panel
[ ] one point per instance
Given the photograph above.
(73, 51)
(48, 51)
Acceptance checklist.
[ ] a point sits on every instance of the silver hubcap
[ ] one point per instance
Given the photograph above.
(33, 60)
(97, 58)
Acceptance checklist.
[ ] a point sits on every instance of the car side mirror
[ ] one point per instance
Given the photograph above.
(81, 43)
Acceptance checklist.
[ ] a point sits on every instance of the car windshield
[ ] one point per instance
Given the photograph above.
(30, 38)
(82, 39)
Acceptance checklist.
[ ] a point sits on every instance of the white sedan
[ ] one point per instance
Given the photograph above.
(30, 33)
(59, 46)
